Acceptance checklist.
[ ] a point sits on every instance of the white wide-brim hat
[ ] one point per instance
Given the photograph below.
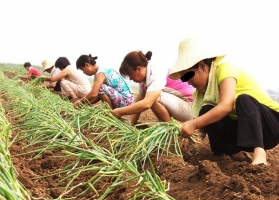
(192, 50)
(47, 64)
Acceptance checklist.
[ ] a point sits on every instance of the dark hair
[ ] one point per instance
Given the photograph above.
(27, 64)
(85, 59)
(62, 62)
(207, 61)
(132, 60)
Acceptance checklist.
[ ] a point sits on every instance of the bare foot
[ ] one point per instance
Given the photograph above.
(240, 156)
(259, 156)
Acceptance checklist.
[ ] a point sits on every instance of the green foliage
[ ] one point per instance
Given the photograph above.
(16, 68)
(48, 123)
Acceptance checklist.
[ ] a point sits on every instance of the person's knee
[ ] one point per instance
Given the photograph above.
(205, 109)
(63, 83)
(242, 97)
(244, 101)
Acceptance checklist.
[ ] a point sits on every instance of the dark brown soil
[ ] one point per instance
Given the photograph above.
(201, 175)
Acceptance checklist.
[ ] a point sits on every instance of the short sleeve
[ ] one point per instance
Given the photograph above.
(157, 80)
(227, 70)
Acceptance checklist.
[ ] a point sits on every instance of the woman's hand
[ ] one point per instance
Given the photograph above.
(76, 104)
(188, 128)
(43, 78)
(116, 113)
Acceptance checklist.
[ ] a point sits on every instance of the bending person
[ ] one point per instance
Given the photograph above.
(109, 86)
(152, 93)
(32, 72)
(73, 82)
(53, 71)
(229, 104)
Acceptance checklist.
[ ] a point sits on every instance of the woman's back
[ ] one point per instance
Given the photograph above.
(77, 77)
(116, 81)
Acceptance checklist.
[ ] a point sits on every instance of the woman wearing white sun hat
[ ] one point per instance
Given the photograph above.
(49, 67)
(229, 105)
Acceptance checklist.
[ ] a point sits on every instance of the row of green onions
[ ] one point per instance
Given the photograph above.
(46, 119)
(10, 187)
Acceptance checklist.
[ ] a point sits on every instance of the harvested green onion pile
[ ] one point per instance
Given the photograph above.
(37, 81)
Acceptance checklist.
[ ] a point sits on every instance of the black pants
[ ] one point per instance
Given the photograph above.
(57, 86)
(257, 126)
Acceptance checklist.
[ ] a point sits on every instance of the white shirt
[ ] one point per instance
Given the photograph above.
(54, 71)
(155, 79)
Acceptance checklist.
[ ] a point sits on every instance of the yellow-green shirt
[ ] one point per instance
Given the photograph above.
(245, 84)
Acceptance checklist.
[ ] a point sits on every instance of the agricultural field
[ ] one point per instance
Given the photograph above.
(50, 150)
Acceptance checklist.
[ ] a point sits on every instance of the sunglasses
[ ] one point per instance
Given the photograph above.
(187, 76)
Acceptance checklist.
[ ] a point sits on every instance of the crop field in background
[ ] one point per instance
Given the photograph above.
(50, 150)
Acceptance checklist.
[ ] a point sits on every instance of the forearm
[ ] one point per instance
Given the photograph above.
(49, 79)
(89, 98)
(215, 114)
(134, 118)
(136, 108)
(84, 100)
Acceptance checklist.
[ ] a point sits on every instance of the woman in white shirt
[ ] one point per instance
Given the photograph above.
(152, 83)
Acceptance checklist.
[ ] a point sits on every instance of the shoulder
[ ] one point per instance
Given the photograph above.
(109, 72)
(56, 69)
(155, 78)
(67, 71)
(101, 75)
(34, 69)
(227, 70)
(157, 72)
(104, 70)
(225, 66)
